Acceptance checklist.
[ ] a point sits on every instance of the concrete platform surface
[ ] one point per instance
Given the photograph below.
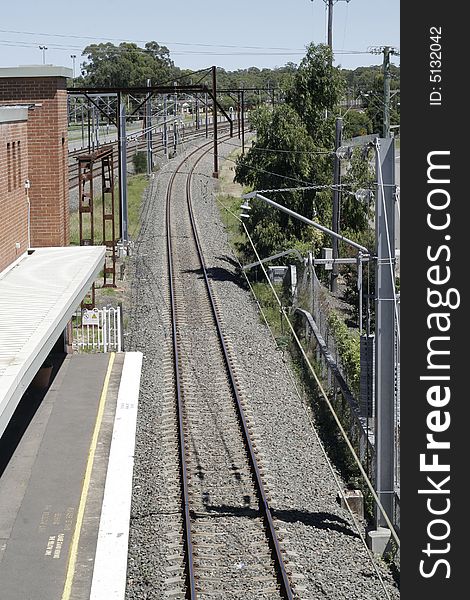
(51, 491)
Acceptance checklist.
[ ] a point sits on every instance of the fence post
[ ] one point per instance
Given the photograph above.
(118, 328)
(103, 329)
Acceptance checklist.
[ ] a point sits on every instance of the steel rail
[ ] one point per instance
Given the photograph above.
(188, 550)
(73, 169)
(274, 542)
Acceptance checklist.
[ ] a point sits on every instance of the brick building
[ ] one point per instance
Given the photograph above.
(13, 172)
(40, 289)
(33, 146)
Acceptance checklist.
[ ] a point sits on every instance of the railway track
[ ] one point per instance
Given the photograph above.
(131, 149)
(227, 541)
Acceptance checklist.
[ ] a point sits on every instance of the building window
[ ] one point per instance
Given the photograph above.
(19, 164)
(9, 166)
(14, 167)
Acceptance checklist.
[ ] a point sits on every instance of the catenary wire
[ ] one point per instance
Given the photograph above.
(322, 391)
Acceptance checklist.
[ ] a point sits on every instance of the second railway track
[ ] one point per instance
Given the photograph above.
(141, 146)
(229, 540)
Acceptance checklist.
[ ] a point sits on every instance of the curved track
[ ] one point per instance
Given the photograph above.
(230, 544)
(191, 134)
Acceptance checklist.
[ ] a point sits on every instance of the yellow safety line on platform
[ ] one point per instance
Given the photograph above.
(86, 484)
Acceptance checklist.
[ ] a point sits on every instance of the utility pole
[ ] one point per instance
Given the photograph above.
(330, 25)
(336, 204)
(386, 69)
(387, 51)
(330, 4)
(214, 118)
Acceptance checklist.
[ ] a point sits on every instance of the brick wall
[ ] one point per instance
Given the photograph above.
(48, 154)
(13, 201)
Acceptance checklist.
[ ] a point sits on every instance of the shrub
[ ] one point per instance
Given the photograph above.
(140, 162)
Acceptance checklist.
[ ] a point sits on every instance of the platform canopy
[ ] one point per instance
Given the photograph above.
(38, 295)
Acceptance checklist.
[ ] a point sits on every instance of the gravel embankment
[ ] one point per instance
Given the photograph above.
(322, 542)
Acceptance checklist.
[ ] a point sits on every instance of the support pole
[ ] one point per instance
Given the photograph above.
(175, 122)
(165, 129)
(330, 25)
(385, 327)
(386, 71)
(206, 115)
(336, 200)
(242, 93)
(330, 4)
(239, 113)
(118, 125)
(148, 126)
(89, 127)
(123, 176)
(214, 118)
(83, 126)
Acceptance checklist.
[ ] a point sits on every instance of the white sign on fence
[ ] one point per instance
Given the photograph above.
(97, 330)
(91, 317)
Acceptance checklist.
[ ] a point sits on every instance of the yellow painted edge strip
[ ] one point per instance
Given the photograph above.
(86, 484)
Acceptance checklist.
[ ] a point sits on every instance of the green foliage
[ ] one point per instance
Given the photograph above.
(348, 349)
(290, 151)
(126, 65)
(363, 79)
(139, 160)
(278, 78)
(317, 88)
(356, 123)
(278, 132)
(135, 189)
(356, 215)
(374, 101)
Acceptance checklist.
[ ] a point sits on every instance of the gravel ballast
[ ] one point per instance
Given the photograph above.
(325, 552)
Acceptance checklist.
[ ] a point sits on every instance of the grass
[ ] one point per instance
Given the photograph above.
(229, 206)
(136, 187)
(229, 209)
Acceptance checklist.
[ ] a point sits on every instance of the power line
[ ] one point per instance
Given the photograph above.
(280, 50)
(86, 37)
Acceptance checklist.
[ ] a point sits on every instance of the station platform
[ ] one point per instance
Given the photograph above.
(66, 482)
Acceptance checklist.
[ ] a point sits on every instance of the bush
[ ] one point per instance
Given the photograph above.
(349, 349)
(140, 162)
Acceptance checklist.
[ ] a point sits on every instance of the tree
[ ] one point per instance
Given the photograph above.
(356, 123)
(294, 148)
(374, 100)
(126, 65)
(280, 158)
(316, 89)
(356, 214)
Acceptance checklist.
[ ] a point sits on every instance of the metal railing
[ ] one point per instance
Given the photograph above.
(97, 330)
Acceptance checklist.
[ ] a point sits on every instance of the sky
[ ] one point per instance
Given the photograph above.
(234, 34)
